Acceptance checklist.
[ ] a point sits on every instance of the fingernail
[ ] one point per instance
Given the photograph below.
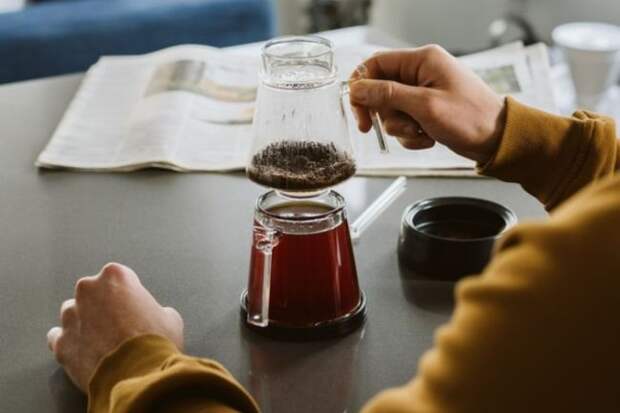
(359, 93)
(362, 71)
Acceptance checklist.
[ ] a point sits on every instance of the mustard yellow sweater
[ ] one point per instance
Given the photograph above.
(538, 331)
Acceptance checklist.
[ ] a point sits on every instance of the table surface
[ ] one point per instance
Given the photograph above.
(188, 237)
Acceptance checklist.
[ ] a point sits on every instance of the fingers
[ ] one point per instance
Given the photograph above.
(52, 338)
(68, 317)
(388, 94)
(416, 143)
(361, 113)
(408, 132)
(401, 125)
(390, 64)
(67, 305)
(363, 117)
(68, 312)
(177, 326)
(403, 64)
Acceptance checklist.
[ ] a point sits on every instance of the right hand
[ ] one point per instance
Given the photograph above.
(425, 95)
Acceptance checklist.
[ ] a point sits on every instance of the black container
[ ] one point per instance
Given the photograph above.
(451, 237)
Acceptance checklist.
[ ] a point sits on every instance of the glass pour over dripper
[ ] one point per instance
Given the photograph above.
(301, 142)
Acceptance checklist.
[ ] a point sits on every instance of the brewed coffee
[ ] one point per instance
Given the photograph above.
(300, 166)
(460, 229)
(313, 275)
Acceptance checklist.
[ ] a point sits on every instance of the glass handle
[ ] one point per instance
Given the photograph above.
(266, 241)
(377, 124)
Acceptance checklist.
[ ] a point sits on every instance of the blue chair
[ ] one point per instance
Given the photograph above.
(64, 36)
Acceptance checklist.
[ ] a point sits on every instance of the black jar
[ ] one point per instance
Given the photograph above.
(450, 237)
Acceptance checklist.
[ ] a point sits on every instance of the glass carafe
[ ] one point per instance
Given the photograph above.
(301, 142)
(302, 280)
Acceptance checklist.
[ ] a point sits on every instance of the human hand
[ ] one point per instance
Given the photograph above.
(425, 95)
(108, 308)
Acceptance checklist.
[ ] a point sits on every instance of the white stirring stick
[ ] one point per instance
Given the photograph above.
(379, 205)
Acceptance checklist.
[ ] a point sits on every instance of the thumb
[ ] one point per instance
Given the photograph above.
(388, 94)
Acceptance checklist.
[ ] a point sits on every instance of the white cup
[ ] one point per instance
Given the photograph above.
(592, 51)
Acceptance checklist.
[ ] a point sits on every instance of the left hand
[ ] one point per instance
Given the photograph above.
(108, 309)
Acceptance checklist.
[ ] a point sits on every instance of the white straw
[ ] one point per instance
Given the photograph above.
(379, 205)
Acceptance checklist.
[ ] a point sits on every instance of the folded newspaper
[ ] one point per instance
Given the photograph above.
(189, 108)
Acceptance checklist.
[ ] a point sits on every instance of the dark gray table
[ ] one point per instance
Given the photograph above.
(188, 237)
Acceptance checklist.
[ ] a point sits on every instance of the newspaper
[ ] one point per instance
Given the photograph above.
(184, 108)
(189, 108)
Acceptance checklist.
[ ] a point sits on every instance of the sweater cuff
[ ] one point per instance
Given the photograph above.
(135, 357)
(149, 370)
(552, 156)
(539, 150)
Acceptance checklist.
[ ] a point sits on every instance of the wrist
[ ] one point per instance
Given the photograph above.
(497, 124)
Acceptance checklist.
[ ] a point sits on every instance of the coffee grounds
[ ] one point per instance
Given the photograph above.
(300, 166)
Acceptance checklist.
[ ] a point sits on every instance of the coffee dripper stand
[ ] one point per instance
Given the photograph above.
(300, 100)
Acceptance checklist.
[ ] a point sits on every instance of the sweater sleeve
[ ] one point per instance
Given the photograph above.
(551, 156)
(538, 331)
(147, 373)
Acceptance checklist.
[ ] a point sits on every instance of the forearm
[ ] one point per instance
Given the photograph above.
(149, 371)
(553, 157)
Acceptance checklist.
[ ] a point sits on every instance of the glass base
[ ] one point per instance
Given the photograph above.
(301, 195)
(324, 330)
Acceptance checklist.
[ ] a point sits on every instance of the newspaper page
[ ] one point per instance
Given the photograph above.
(183, 108)
(190, 108)
(521, 72)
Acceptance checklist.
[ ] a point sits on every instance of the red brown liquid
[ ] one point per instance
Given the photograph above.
(313, 276)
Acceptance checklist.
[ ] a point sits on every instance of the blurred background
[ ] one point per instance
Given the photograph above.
(459, 26)
(41, 38)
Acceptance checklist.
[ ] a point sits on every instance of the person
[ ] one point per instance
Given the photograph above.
(537, 331)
